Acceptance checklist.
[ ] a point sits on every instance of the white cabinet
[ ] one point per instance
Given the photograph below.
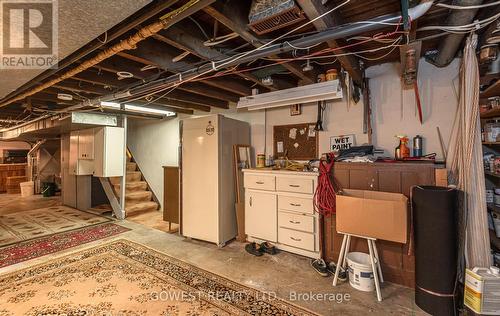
(279, 209)
(97, 151)
(109, 151)
(261, 215)
(77, 165)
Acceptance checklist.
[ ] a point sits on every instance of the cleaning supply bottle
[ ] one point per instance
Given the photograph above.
(402, 151)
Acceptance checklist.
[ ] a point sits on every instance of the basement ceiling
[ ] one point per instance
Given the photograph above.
(79, 23)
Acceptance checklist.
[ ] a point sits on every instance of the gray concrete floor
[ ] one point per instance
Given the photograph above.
(283, 274)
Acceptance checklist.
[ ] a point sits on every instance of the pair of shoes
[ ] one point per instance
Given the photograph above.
(319, 265)
(258, 250)
(325, 270)
(332, 267)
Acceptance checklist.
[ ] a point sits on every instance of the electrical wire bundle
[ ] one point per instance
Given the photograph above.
(324, 197)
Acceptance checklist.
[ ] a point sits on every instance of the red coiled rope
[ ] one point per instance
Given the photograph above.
(324, 197)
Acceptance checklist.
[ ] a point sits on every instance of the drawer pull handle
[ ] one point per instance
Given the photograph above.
(295, 239)
(260, 182)
(293, 204)
(294, 222)
(294, 185)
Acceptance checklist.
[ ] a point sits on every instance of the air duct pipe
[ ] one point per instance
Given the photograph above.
(451, 43)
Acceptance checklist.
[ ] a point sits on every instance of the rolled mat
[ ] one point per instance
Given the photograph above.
(435, 234)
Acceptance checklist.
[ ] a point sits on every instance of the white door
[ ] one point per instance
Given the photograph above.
(261, 218)
(200, 179)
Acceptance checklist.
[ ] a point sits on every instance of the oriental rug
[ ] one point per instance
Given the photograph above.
(125, 278)
(27, 225)
(35, 248)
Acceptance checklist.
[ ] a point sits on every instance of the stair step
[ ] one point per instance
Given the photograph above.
(132, 186)
(137, 196)
(132, 176)
(131, 166)
(139, 208)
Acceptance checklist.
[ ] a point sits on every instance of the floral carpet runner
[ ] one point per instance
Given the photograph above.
(27, 225)
(124, 278)
(35, 248)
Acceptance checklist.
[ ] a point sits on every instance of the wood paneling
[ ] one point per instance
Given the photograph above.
(171, 194)
(397, 265)
(10, 170)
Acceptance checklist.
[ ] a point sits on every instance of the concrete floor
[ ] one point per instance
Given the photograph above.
(284, 274)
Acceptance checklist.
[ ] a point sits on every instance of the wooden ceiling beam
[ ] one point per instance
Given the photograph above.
(233, 18)
(76, 86)
(112, 65)
(228, 85)
(183, 104)
(201, 89)
(197, 99)
(160, 106)
(313, 9)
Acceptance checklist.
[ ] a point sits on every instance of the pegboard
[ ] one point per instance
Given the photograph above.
(299, 141)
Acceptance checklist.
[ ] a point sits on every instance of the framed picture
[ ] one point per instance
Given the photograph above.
(295, 109)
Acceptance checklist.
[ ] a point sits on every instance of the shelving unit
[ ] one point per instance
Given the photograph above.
(492, 91)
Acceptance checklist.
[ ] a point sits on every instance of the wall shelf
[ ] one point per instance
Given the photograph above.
(491, 143)
(491, 113)
(491, 91)
(492, 174)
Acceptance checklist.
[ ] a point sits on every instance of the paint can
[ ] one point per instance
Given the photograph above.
(261, 161)
(417, 146)
(360, 271)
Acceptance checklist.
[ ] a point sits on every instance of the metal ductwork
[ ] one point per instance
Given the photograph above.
(449, 46)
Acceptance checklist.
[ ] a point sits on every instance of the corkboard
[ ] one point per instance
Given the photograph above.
(307, 145)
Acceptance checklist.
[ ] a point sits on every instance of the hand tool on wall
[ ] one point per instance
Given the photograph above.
(417, 99)
(319, 123)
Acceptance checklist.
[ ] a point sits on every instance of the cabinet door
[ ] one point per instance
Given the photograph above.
(86, 144)
(261, 218)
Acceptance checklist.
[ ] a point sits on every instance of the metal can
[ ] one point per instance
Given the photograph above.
(261, 161)
(417, 146)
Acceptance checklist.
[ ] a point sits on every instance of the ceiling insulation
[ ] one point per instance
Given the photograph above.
(79, 23)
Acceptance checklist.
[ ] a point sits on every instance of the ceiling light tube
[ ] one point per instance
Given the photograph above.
(136, 108)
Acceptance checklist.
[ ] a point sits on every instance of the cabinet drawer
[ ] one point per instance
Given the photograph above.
(296, 239)
(296, 204)
(260, 182)
(295, 185)
(295, 221)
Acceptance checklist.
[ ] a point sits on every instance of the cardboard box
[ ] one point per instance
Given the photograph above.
(380, 215)
(441, 177)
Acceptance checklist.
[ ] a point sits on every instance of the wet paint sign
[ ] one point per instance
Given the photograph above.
(341, 142)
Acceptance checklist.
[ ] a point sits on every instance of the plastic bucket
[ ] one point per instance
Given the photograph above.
(27, 188)
(360, 271)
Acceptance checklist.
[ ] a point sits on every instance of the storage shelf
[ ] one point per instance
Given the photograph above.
(494, 240)
(491, 113)
(492, 174)
(492, 207)
(491, 91)
(491, 143)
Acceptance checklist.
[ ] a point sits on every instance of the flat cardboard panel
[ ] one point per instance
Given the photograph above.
(380, 215)
(296, 141)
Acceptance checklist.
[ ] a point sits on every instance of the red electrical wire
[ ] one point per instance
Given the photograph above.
(324, 196)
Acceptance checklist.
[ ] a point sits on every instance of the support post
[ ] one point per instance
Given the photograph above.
(124, 178)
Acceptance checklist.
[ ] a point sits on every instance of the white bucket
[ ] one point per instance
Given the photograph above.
(360, 271)
(27, 188)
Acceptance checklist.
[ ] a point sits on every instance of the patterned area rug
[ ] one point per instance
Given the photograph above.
(124, 278)
(35, 248)
(42, 222)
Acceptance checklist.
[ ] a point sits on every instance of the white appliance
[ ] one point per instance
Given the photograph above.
(208, 193)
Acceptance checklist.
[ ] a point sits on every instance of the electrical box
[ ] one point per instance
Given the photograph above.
(109, 152)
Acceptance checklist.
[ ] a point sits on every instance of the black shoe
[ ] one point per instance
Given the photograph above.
(268, 248)
(254, 249)
(332, 266)
(319, 266)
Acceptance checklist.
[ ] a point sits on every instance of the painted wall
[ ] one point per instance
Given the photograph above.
(155, 143)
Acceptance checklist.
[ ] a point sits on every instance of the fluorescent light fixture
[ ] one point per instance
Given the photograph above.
(136, 108)
(327, 90)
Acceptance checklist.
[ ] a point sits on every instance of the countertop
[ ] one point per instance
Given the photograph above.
(281, 171)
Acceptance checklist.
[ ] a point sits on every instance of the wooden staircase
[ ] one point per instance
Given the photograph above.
(139, 198)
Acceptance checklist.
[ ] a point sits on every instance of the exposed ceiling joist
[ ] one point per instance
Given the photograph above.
(80, 86)
(315, 8)
(197, 99)
(160, 106)
(183, 104)
(205, 90)
(228, 85)
(233, 18)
